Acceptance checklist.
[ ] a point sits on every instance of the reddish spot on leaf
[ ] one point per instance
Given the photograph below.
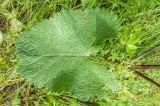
(84, 21)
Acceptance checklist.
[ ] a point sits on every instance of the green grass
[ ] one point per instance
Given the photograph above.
(141, 28)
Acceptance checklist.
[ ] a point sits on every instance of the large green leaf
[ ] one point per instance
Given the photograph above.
(56, 54)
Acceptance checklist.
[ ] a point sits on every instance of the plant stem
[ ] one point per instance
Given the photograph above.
(146, 67)
(148, 51)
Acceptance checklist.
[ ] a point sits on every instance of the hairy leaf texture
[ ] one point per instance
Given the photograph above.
(56, 53)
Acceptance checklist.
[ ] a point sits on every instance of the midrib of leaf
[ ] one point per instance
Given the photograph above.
(60, 55)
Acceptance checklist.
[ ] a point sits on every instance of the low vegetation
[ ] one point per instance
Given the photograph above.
(132, 53)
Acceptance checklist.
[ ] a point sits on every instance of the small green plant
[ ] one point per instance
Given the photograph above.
(77, 52)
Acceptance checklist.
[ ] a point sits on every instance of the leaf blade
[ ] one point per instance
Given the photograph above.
(56, 55)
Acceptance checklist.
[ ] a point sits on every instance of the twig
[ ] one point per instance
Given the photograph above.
(147, 78)
(137, 68)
